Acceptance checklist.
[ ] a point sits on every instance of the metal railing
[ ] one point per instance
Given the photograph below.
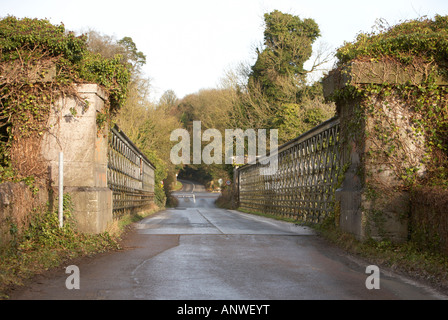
(130, 174)
(303, 187)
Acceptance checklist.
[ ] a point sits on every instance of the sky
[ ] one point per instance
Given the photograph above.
(190, 44)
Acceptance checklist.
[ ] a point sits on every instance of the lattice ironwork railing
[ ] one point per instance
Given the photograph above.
(303, 187)
(130, 174)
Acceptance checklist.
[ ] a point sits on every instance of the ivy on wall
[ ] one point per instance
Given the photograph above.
(424, 38)
(413, 45)
(39, 63)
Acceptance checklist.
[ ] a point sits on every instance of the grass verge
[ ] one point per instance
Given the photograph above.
(44, 245)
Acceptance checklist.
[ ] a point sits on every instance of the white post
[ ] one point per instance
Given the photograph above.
(61, 190)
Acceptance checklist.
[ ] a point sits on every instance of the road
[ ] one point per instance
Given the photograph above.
(199, 252)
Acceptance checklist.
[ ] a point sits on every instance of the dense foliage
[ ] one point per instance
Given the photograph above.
(276, 93)
(423, 38)
(288, 45)
(423, 45)
(29, 50)
(34, 39)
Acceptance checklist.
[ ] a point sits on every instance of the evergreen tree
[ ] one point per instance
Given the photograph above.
(278, 71)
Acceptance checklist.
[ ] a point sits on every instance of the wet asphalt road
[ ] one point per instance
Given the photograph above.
(200, 252)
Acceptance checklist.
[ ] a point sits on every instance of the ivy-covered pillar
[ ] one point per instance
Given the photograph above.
(73, 130)
(384, 145)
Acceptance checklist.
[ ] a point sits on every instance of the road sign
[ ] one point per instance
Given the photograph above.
(228, 182)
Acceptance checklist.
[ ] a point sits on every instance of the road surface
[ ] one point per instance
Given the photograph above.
(199, 252)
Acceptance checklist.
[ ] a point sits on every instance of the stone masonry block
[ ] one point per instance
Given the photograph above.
(74, 131)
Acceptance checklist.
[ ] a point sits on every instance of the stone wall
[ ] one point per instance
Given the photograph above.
(371, 202)
(379, 142)
(73, 130)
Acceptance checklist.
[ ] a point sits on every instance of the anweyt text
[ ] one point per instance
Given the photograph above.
(231, 309)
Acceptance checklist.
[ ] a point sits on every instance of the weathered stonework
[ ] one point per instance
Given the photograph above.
(378, 72)
(73, 131)
(373, 200)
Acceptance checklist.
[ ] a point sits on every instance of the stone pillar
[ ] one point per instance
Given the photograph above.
(73, 130)
(378, 141)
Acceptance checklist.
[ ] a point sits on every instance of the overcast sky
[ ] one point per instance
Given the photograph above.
(190, 43)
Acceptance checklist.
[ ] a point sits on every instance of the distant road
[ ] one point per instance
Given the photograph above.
(194, 195)
(190, 187)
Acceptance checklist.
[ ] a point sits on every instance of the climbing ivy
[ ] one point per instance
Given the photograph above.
(29, 50)
(424, 38)
(420, 44)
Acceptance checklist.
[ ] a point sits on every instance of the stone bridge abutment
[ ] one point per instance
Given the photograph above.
(355, 167)
(105, 174)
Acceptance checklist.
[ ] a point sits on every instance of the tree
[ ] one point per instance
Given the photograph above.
(108, 47)
(147, 126)
(168, 100)
(277, 95)
(131, 55)
(279, 70)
